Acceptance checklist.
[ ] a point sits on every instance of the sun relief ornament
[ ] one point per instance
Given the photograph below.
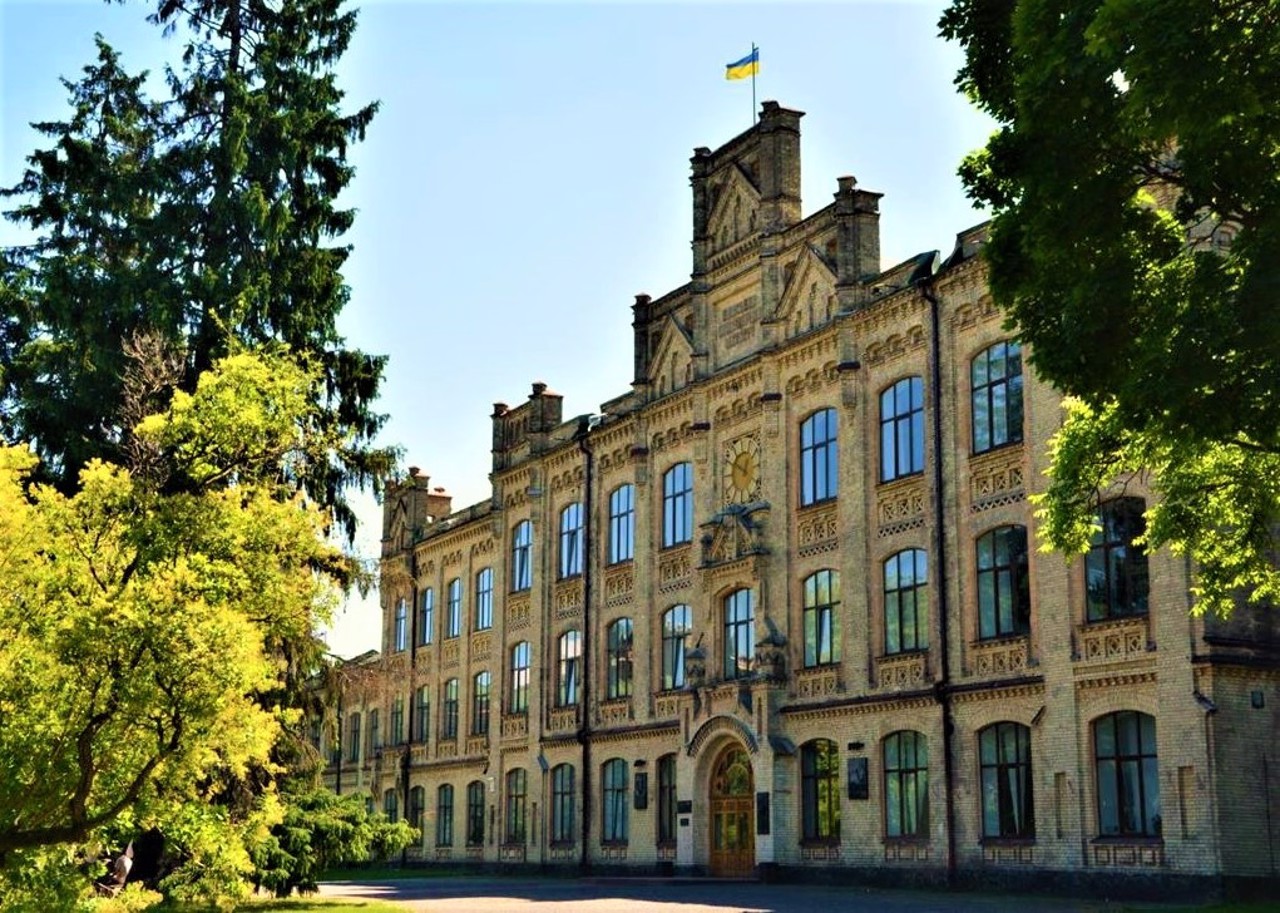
(741, 470)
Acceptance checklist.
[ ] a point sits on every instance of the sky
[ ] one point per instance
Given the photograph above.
(528, 174)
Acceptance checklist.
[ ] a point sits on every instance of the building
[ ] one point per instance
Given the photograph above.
(778, 608)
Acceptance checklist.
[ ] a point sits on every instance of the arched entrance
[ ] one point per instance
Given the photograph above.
(733, 844)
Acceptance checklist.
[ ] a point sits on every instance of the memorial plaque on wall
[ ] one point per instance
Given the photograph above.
(684, 806)
(641, 791)
(858, 788)
(762, 813)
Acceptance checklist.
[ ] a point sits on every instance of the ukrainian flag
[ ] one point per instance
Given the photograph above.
(747, 66)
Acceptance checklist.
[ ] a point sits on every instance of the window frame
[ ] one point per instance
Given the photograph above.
(614, 826)
(397, 720)
(1000, 415)
(421, 723)
(738, 632)
(453, 609)
(902, 423)
(819, 457)
(562, 805)
(449, 711)
(522, 556)
(820, 619)
(427, 617)
(484, 599)
(1129, 772)
(666, 788)
(619, 664)
(571, 542)
(480, 696)
(444, 814)
(819, 792)
(391, 805)
(517, 792)
(673, 646)
(906, 788)
(1004, 576)
(400, 632)
(1006, 788)
(677, 505)
(896, 602)
(1127, 585)
(568, 668)
(519, 695)
(475, 813)
(622, 523)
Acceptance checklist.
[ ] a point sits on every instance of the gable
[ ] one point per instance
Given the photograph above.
(672, 364)
(808, 301)
(735, 214)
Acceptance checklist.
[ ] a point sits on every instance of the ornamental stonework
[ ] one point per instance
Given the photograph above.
(900, 507)
(619, 586)
(904, 670)
(817, 530)
(675, 570)
(518, 612)
(1113, 641)
(1001, 657)
(996, 479)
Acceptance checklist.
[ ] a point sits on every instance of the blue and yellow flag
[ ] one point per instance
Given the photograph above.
(747, 66)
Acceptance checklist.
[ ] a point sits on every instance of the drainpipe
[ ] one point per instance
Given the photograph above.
(942, 688)
(588, 555)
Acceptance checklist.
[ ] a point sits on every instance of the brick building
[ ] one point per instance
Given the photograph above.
(779, 608)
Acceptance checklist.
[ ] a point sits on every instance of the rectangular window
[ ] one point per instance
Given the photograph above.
(444, 815)
(475, 813)
(517, 791)
(562, 804)
(667, 799)
(677, 505)
(1116, 581)
(902, 429)
(571, 541)
(480, 704)
(622, 524)
(427, 617)
(996, 382)
(453, 612)
(676, 627)
(484, 599)
(421, 714)
(449, 723)
(522, 557)
(397, 721)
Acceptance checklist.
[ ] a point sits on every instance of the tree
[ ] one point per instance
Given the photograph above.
(137, 617)
(209, 217)
(1133, 182)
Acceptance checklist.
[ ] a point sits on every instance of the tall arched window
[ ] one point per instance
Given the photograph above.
(1004, 754)
(453, 610)
(397, 720)
(444, 815)
(677, 505)
(449, 711)
(1004, 589)
(667, 800)
(484, 599)
(417, 805)
(1124, 749)
(618, 659)
(571, 541)
(522, 556)
(475, 813)
(401, 633)
(739, 628)
(517, 793)
(427, 617)
(391, 806)
(421, 713)
(819, 464)
(622, 524)
(1116, 582)
(480, 703)
(820, 791)
(906, 785)
(613, 778)
(353, 737)
(569, 655)
(996, 381)
(906, 602)
(822, 618)
(562, 804)
(902, 429)
(521, 655)
(676, 628)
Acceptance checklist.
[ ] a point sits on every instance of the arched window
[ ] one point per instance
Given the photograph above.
(449, 714)
(622, 524)
(375, 737)
(902, 429)
(427, 617)
(353, 737)
(401, 633)
(522, 557)
(677, 505)
(480, 703)
(571, 541)
(667, 800)
(819, 464)
(996, 380)
(569, 655)
(517, 793)
(397, 720)
(1115, 569)
(417, 805)
(1004, 590)
(822, 618)
(820, 791)
(475, 813)
(1124, 750)
(484, 599)
(1004, 753)
(618, 659)
(444, 815)
(739, 627)
(453, 611)
(613, 778)
(391, 806)
(421, 713)
(562, 804)
(676, 628)
(906, 785)
(906, 601)
(520, 662)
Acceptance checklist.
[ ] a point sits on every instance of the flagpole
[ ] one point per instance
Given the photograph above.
(753, 84)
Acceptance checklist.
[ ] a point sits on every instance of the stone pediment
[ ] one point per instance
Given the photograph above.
(672, 362)
(734, 533)
(735, 214)
(399, 533)
(808, 300)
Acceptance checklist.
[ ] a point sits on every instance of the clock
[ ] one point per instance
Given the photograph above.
(742, 470)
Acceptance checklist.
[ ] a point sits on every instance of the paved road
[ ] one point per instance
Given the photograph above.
(545, 895)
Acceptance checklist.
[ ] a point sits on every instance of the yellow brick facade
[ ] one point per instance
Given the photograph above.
(785, 317)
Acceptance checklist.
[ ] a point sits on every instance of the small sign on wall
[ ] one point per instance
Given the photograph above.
(641, 791)
(762, 813)
(857, 785)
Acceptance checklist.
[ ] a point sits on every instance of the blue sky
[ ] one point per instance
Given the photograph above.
(528, 175)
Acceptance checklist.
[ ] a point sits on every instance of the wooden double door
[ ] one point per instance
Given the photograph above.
(733, 842)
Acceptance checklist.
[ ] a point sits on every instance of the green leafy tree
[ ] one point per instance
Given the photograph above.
(139, 620)
(208, 217)
(1135, 246)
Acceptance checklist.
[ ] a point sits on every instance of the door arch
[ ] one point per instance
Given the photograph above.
(732, 804)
